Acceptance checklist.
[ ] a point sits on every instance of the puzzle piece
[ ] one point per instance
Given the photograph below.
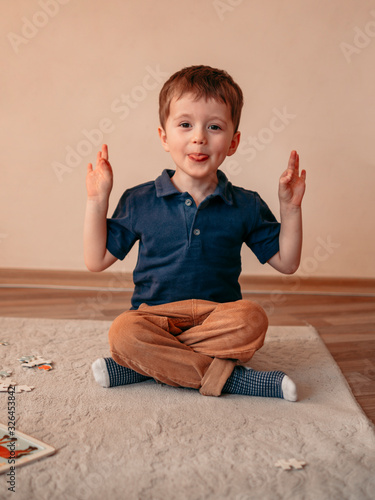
(24, 388)
(3, 343)
(33, 360)
(6, 383)
(292, 463)
(5, 373)
(26, 359)
(46, 367)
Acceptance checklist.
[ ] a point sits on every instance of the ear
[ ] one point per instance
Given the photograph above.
(163, 138)
(234, 144)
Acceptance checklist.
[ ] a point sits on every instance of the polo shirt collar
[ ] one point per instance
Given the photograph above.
(165, 187)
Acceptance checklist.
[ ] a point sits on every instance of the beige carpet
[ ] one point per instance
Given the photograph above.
(152, 442)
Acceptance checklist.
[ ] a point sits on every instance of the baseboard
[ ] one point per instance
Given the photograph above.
(296, 283)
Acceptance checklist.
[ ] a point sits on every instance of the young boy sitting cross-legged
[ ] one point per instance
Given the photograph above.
(188, 325)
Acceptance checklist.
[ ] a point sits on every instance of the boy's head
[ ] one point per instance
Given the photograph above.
(203, 82)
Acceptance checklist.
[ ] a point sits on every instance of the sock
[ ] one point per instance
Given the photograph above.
(110, 374)
(249, 382)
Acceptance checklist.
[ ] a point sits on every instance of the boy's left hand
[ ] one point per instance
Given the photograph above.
(292, 184)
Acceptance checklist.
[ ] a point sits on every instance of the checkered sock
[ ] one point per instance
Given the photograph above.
(250, 382)
(110, 374)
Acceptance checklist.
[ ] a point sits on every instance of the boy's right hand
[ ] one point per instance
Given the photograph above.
(99, 182)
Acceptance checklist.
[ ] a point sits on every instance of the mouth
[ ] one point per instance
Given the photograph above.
(200, 157)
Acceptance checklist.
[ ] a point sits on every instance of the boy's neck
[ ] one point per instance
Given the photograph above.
(198, 189)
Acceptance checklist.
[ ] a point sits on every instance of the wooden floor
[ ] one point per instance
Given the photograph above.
(342, 311)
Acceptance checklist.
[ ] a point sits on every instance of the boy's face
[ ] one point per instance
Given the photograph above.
(199, 135)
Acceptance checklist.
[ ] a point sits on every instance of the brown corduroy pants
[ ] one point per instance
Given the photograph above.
(190, 343)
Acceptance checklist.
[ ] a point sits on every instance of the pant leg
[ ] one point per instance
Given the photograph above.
(154, 341)
(234, 330)
(230, 332)
(145, 341)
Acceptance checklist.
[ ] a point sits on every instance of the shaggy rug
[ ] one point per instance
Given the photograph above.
(153, 442)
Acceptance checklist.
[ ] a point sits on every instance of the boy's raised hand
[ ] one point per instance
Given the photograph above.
(292, 184)
(99, 181)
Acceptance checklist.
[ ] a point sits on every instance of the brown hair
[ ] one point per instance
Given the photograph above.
(202, 81)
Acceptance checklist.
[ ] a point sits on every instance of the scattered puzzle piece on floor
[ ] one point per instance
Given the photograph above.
(6, 383)
(26, 359)
(34, 360)
(292, 463)
(45, 367)
(24, 388)
(2, 342)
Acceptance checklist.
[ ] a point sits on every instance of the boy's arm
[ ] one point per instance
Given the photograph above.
(291, 191)
(99, 185)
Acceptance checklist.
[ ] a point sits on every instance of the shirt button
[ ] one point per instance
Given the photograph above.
(197, 232)
(188, 203)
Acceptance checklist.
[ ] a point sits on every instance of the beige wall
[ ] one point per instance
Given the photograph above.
(71, 66)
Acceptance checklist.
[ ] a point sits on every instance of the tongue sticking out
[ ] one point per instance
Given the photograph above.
(198, 157)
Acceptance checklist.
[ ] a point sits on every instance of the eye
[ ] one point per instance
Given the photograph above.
(214, 127)
(185, 125)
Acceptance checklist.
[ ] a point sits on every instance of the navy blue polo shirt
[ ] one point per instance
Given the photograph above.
(187, 251)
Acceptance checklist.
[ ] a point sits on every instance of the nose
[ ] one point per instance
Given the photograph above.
(199, 136)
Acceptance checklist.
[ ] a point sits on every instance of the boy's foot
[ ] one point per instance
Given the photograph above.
(250, 382)
(110, 374)
(289, 389)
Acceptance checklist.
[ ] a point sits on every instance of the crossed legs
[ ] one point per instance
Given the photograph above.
(192, 343)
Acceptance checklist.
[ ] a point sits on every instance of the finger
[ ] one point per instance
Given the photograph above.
(89, 168)
(98, 158)
(105, 151)
(303, 175)
(286, 177)
(292, 160)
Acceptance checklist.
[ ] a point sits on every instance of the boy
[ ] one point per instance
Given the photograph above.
(188, 325)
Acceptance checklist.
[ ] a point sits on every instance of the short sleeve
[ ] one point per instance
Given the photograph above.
(120, 233)
(263, 238)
